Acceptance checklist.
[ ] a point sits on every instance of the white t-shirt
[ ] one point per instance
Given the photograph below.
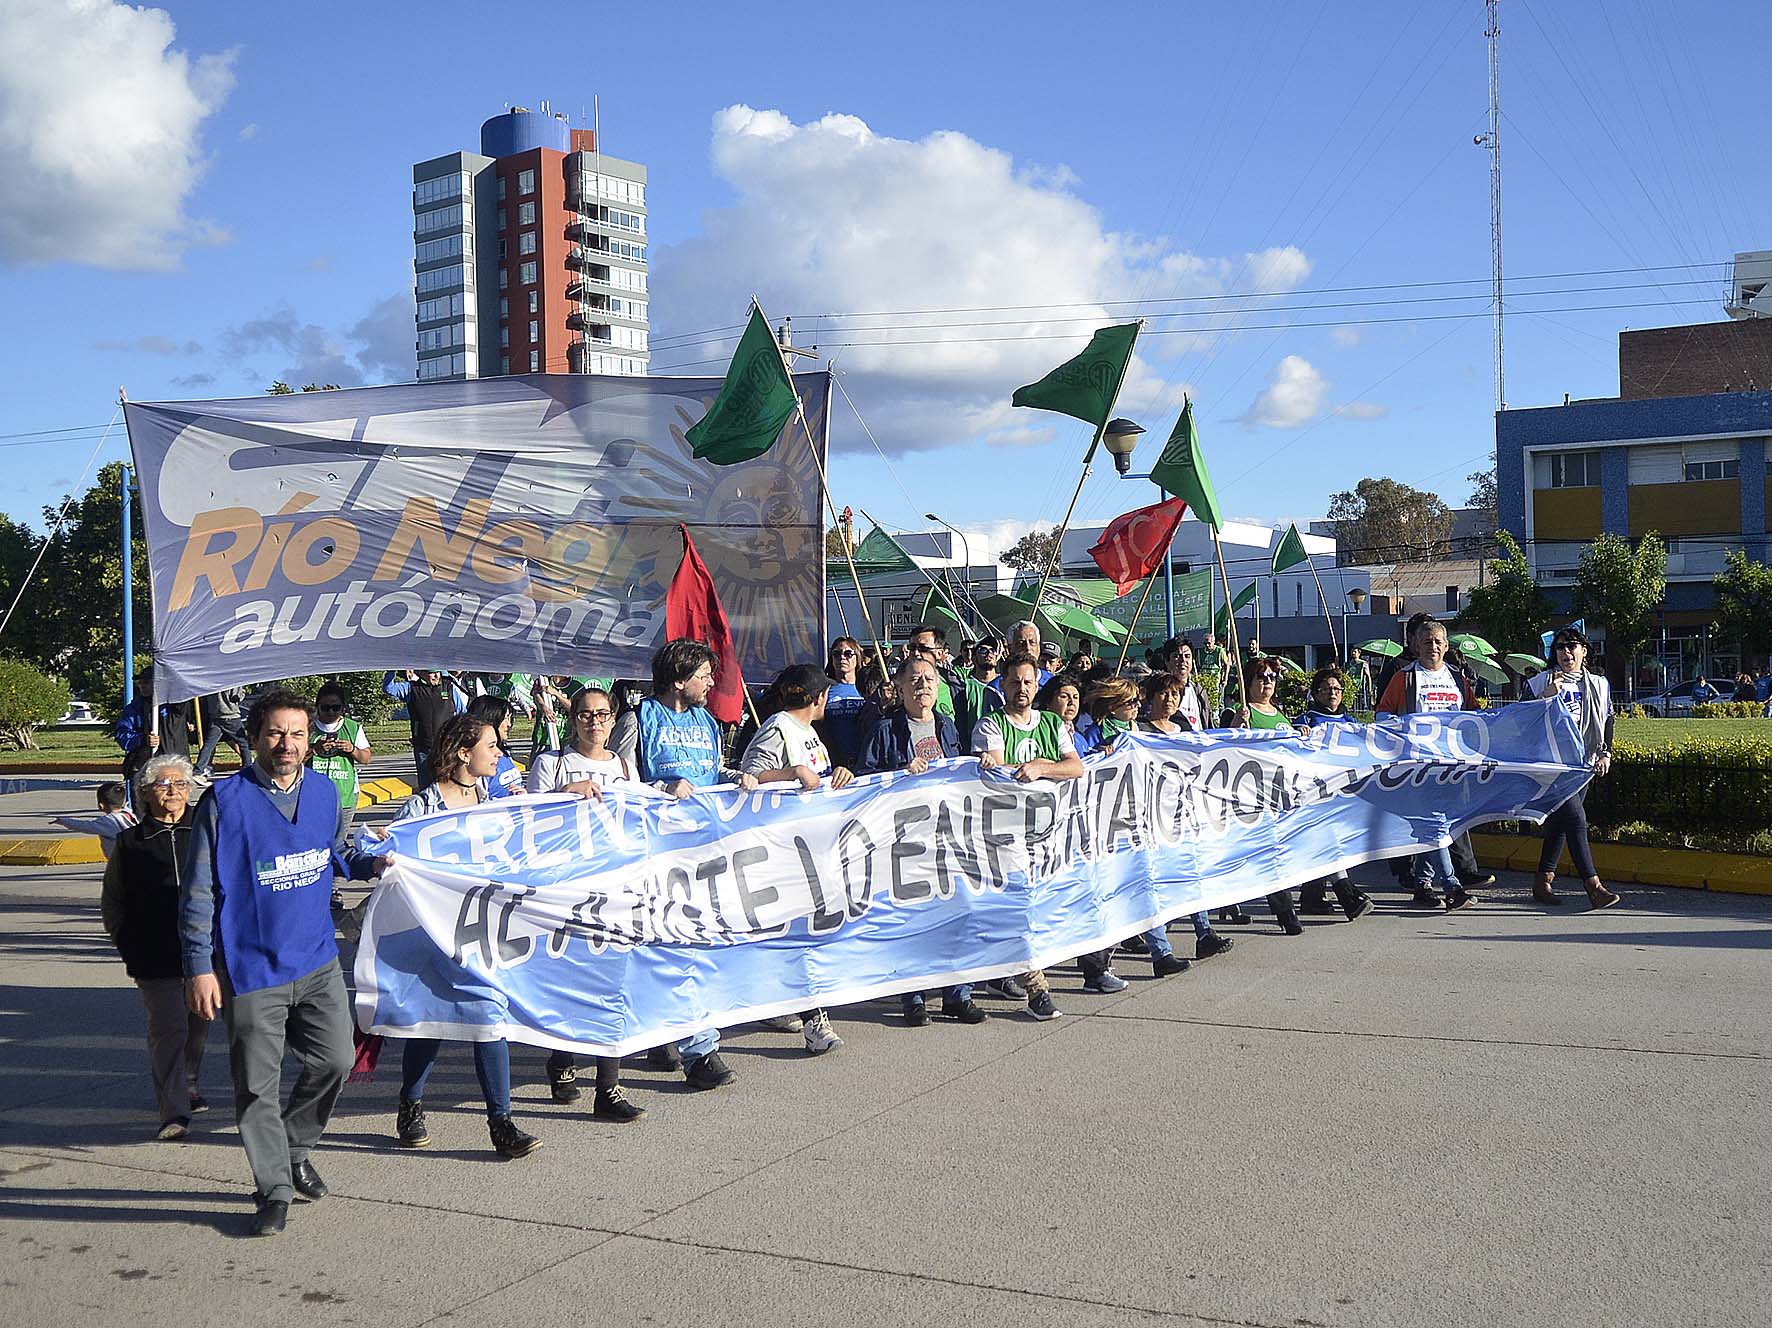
(784, 742)
(1437, 690)
(1190, 706)
(552, 771)
(987, 736)
(1569, 693)
(924, 741)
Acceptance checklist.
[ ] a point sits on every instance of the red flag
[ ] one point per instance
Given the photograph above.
(692, 610)
(1134, 545)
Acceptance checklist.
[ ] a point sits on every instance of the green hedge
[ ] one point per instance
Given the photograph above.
(1714, 785)
(1729, 710)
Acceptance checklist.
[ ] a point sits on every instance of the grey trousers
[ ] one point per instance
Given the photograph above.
(175, 1045)
(312, 1018)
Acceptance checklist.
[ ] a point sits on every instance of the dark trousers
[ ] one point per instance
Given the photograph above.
(1347, 894)
(175, 1045)
(1568, 822)
(219, 730)
(492, 1066)
(312, 1018)
(608, 1067)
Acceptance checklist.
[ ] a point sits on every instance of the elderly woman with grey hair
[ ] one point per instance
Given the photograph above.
(139, 908)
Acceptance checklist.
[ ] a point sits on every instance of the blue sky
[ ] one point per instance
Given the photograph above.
(240, 197)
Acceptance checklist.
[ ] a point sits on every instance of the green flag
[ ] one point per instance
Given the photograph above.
(1181, 470)
(879, 552)
(1289, 552)
(754, 403)
(1087, 386)
(1221, 626)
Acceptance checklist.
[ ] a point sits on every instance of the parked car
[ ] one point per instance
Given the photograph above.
(81, 714)
(1675, 701)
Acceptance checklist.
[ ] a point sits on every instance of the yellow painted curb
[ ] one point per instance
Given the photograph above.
(1736, 873)
(51, 851)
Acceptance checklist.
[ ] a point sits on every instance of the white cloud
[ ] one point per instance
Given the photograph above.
(152, 345)
(377, 348)
(831, 215)
(1293, 395)
(1346, 335)
(248, 132)
(99, 125)
(1362, 410)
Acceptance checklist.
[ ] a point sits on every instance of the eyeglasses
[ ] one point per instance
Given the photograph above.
(845, 653)
(171, 785)
(1265, 675)
(593, 714)
(328, 709)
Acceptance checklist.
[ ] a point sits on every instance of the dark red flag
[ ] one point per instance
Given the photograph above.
(692, 610)
(1134, 545)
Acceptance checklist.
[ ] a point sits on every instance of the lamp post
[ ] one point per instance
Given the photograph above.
(966, 552)
(1355, 597)
(1120, 437)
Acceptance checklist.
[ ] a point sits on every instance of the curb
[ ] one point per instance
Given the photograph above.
(1690, 869)
(85, 850)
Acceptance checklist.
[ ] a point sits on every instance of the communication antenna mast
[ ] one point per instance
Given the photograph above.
(1492, 141)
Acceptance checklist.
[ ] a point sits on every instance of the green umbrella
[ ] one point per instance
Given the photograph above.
(1084, 623)
(1290, 665)
(1519, 662)
(1054, 620)
(1471, 644)
(1380, 646)
(1487, 671)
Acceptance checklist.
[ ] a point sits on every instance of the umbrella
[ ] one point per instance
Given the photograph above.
(1519, 661)
(1053, 619)
(1083, 623)
(1471, 644)
(1290, 665)
(1380, 646)
(1486, 670)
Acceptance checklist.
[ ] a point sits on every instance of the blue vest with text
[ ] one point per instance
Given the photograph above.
(273, 882)
(678, 745)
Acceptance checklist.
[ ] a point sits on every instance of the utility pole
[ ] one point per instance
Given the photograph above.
(1492, 141)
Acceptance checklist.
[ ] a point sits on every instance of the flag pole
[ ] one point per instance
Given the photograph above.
(1231, 618)
(1137, 613)
(1323, 603)
(952, 604)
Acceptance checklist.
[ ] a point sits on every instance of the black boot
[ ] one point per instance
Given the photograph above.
(409, 1125)
(510, 1139)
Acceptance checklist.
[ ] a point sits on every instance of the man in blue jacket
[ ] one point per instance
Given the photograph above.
(255, 925)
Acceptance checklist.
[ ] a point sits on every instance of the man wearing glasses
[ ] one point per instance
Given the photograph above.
(959, 696)
(671, 742)
(984, 661)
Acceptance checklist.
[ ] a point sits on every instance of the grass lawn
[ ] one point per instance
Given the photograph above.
(1670, 732)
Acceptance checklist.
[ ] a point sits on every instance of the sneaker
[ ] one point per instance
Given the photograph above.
(705, 1072)
(1010, 989)
(176, 1128)
(916, 1015)
(820, 1036)
(1234, 915)
(664, 1058)
(510, 1139)
(1168, 965)
(563, 1083)
(1292, 926)
(1480, 882)
(1458, 897)
(1427, 897)
(409, 1125)
(967, 1012)
(1211, 944)
(1106, 982)
(612, 1105)
(199, 1104)
(1041, 1007)
(1360, 908)
(784, 1023)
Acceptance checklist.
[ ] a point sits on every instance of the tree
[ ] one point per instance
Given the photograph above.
(1382, 521)
(1744, 604)
(1621, 588)
(283, 389)
(18, 546)
(1511, 610)
(1032, 552)
(28, 697)
(835, 543)
(1482, 497)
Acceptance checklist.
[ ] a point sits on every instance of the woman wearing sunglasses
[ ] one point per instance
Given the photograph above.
(1588, 699)
(841, 727)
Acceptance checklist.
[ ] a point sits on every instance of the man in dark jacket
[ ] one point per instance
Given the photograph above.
(221, 723)
(432, 698)
(908, 739)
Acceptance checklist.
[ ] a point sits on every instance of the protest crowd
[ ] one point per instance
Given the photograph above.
(220, 892)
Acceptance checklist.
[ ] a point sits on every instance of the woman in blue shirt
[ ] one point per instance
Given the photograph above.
(496, 711)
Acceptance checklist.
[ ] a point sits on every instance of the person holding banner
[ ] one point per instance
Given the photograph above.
(255, 922)
(1113, 708)
(1063, 696)
(908, 739)
(959, 696)
(788, 749)
(467, 756)
(1033, 745)
(672, 742)
(1588, 697)
(1328, 689)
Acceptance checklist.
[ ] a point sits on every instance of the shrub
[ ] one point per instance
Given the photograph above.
(1729, 710)
(1720, 785)
(28, 697)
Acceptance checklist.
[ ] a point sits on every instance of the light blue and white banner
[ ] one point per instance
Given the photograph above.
(614, 926)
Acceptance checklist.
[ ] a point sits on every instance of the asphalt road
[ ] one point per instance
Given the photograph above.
(1507, 1116)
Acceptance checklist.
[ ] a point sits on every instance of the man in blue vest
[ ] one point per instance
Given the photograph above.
(673, 743)
(255, 923)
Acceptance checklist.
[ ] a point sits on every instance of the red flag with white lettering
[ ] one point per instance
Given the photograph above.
(1135, 543)
(692, 610)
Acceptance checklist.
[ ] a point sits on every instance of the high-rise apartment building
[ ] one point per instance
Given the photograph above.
(529, 256)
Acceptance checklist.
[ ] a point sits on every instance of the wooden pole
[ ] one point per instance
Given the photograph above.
(1323, 602)
(1149, 581)
(1231, 617)
(1058, 540)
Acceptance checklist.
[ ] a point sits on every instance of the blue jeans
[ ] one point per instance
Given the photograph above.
(1158, 939)
(1436, 864)
(949, 996)
(1202, 924)
(492, 1065)
(699, 1044)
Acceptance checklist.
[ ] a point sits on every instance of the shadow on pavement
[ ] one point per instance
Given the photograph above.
(226, 1211)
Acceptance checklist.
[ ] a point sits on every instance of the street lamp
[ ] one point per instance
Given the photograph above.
(966, 552)
(1120, 437)
(1356, 597)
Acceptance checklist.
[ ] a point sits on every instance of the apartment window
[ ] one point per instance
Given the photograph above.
(504, 364)
(525, 183)
(535, 361)
(432, 191)
(534, 330)
(501, 248)
(501, 188)
(1713, 470)
(504, 306)
(1575, 470)
(504, 338)
(526, 214)
(526, 242)
(429, 251)
(526, 274)
(442, 278)
(534, 302)
(438, 219)
(501, 221)
(504, 278)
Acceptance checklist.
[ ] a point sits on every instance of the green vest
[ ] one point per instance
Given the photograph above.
(1037, 744)
(342, 770)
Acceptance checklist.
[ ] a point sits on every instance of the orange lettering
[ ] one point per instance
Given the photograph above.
(216, 565)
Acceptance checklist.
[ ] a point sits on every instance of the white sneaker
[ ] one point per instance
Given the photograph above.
(1106, 983)
(783, 1023)
(820, 1036)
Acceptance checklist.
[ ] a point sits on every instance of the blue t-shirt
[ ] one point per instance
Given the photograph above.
(506, 780)
(676, 745)
(842, 721)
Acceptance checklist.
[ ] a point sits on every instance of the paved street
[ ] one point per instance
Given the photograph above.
(1505, 1116)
